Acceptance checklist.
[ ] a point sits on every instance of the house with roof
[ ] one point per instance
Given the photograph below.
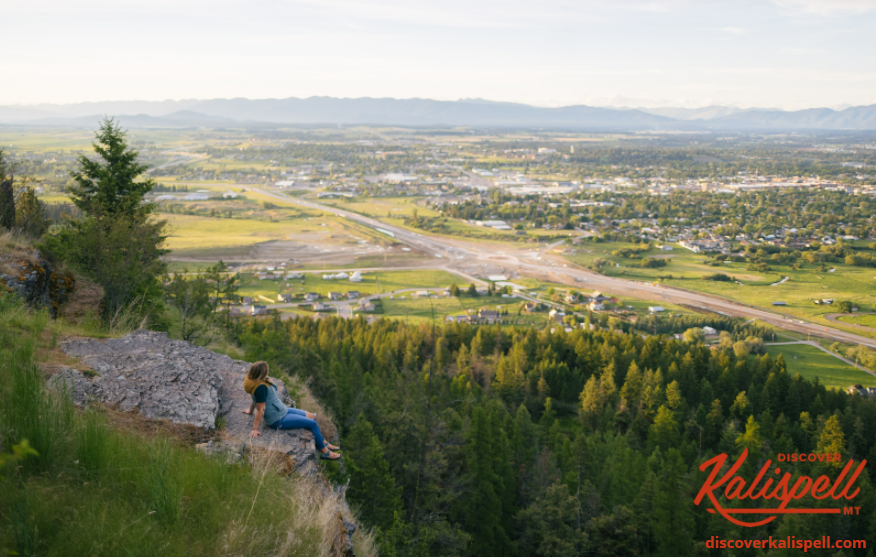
(557, 315)
(311, 297)
(861, 390)
(488, 316)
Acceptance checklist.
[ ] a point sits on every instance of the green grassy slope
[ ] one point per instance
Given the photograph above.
(98, 490)
(810, 362)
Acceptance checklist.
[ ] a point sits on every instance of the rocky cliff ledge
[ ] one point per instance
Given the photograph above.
(173, 380)
(27, 273)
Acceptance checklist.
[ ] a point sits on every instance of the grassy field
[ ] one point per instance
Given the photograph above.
(810, 362)
(28, 139)
(372, 283)
(395, 210)
(865, 320)
(191, 234)
(682, 263)
(425, 310)
(464, 230)
(200, 235)
(381, 207)
(189, 266)
(55, 198)
(66, 139)
(799, 292)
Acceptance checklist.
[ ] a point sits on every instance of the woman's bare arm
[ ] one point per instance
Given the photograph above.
(260, 411)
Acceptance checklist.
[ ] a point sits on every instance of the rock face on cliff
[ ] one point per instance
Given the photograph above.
(174, 380)
(28, 274)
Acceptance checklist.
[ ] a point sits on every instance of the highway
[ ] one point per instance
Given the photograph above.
(455, 252)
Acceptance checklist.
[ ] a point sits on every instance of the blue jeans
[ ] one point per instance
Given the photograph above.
(297, 419)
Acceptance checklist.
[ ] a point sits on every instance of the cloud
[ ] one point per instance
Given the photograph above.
(828, 7)
(735, 30)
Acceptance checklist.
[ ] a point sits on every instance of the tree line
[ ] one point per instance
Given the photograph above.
(466, 440)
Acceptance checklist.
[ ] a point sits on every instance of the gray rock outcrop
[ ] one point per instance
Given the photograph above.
(161, 378)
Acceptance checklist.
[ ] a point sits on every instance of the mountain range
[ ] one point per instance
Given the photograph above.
(193, 113)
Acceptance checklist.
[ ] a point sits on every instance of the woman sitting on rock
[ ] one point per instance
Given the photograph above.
(267, 405)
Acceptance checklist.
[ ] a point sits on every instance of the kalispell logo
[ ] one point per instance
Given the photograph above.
(736, 488)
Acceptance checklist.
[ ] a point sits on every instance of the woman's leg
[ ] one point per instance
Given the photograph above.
(302, 413)
(293, 420)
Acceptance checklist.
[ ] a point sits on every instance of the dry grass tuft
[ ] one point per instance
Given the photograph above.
(313, 515)
(16, 252)
(13, 241)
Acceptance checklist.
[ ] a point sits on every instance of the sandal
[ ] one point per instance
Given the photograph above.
(330, 456)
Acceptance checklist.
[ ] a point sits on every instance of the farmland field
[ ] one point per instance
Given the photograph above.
(191, 235)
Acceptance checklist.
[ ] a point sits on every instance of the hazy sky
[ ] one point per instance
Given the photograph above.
(783, 53)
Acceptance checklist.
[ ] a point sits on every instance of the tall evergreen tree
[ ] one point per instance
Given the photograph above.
(372, 487)
(548, 526)
(117, 245)
(672, 517)
(483, 512)
(30, 214)
(109, 186)
(7, 205)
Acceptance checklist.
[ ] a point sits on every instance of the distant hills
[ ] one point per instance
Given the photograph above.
(431, 113)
